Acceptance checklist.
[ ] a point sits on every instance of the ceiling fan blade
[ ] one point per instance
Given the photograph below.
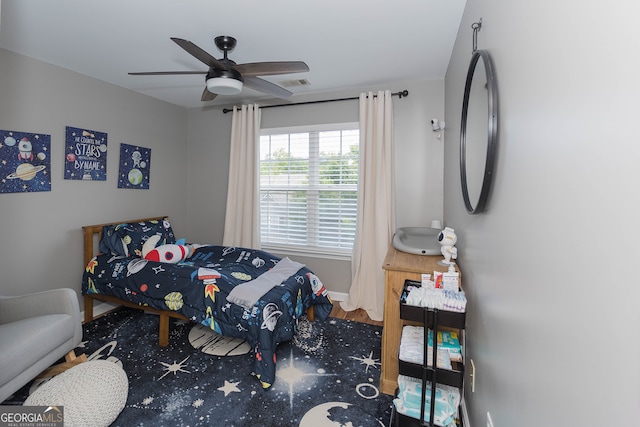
(200, 54)
(271, 68)
(165, 73)
(266, 87)
(207, 96)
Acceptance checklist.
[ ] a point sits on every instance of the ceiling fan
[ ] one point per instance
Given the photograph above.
(225, 77)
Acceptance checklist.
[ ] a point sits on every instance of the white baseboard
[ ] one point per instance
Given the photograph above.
(465, 415)
(338, 296)
(100, 308)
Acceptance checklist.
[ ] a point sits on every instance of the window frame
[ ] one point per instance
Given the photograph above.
(306, 250)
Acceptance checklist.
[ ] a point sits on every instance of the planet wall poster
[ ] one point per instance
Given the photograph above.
(25, 165)
(85, 155)
(135, 163)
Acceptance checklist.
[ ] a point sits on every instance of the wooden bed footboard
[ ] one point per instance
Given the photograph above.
(91, 232)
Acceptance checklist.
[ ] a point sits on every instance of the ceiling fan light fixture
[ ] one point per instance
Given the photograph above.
(224, 85)
(224, 82)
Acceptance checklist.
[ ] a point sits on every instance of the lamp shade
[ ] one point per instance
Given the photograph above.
(224, 85)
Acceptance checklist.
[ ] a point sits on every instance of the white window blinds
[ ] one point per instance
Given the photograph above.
(308, 188)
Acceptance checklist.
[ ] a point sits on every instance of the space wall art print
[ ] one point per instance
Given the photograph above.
(85, 154)
(25, 162)
(135, 165)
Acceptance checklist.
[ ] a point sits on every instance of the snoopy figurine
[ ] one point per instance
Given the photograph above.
(447, 239)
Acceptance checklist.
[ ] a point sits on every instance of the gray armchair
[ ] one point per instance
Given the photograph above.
(36, 330)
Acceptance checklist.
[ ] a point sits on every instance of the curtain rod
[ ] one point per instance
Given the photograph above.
(400, 95)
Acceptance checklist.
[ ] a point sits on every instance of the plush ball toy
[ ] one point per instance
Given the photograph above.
(170, 253)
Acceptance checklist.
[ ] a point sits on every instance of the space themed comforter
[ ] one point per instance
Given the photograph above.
(198, 289)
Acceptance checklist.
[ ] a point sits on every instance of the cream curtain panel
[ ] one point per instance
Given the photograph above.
(242, 218)
(376, 205)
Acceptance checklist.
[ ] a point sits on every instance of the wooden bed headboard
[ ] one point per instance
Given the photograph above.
(91, 231)
(92, 235)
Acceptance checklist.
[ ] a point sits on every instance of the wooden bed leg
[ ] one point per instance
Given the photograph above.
(311, 314)
(163, 337)
(88, 308)
(71, 360)
(71, 356)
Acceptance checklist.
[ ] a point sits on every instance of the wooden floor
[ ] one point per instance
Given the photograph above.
(358, 315)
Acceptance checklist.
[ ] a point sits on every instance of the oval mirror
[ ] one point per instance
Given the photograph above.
(478, 132)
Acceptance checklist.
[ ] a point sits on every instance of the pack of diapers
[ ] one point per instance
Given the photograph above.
(412, 347)
(447, 400)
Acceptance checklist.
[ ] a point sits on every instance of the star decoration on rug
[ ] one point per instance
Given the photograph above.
(292, 377)
(229, 387)
(369, 361)
(174, 367)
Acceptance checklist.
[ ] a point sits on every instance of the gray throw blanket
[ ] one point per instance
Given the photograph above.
(247, 294)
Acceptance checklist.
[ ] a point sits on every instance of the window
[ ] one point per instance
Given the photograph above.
(309, 188)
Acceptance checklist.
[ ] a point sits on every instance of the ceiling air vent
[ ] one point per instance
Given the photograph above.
(295, 82)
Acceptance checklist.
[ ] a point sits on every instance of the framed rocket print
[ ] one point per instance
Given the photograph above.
(25, 164)
(135, 165)
(85, 155)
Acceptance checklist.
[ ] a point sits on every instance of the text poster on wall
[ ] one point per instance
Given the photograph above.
(135, 165)
(86, 155)
(25, 165)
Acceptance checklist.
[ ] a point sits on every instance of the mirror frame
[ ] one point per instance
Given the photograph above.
(492, 131)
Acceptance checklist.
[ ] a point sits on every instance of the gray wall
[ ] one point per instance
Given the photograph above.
(41, 232)
(419, 160)
(549, 268)
(189, 159)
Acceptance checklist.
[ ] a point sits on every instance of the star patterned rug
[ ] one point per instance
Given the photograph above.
(328, 375)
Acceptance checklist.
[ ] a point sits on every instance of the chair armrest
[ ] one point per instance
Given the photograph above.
(56, 301)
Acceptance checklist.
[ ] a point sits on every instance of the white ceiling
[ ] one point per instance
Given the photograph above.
(346, 43)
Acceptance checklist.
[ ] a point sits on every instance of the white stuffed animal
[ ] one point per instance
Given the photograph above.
(447, 239)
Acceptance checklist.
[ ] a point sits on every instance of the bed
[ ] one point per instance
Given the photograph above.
(201, 288)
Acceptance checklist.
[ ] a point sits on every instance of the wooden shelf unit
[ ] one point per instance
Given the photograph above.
(399, 266)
